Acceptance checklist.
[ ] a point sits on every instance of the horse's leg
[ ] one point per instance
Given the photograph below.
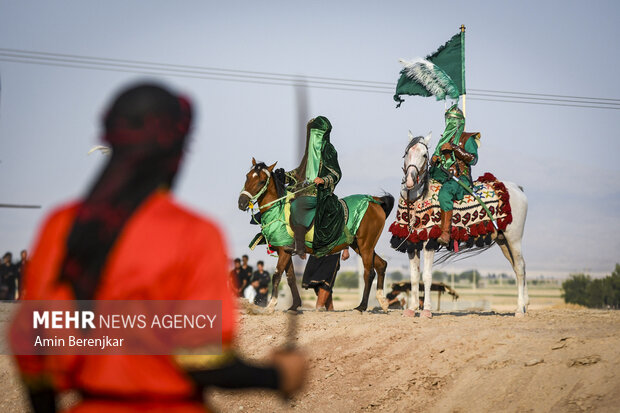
(283, 259)
(369, 277)
(512, 252)
(427, 276)
(292, 283)
(380, 266)
(367, 237)
(511, 247)
(414, 270)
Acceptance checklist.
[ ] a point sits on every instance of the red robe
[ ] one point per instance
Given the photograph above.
(164, 252)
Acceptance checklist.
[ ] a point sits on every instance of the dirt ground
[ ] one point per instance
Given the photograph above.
(553, 360)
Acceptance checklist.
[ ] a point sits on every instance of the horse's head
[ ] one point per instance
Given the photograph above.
(416, 160)
(256, 183)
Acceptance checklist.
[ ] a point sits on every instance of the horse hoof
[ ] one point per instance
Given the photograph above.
(519, 314)
(409, 313)
(426, 314)
(360, 309)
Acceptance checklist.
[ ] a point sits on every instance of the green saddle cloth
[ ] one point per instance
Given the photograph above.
(276, 231)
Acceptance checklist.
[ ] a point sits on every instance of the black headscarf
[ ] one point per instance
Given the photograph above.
(146, 126)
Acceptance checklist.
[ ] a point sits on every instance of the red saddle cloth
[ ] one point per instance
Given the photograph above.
(418, 221)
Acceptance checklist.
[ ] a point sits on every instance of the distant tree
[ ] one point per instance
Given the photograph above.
(346, 279)
(467, 275)
(441, 276)
(598, 294)
(614, 284)
(575, 289)
(396, 276)
(594, 293)
(605, 292)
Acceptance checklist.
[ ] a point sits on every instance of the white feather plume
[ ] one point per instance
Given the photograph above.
(431, 76)
(105, 150)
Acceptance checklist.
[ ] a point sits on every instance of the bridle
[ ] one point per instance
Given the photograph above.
(254, 198)
(420, 175)
(420, 181)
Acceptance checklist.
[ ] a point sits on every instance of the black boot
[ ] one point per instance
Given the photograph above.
(300, 240)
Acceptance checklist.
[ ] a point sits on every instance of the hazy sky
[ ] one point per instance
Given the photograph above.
(564, 157)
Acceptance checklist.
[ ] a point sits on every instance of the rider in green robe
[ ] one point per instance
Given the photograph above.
(318, 203)
(454, 155)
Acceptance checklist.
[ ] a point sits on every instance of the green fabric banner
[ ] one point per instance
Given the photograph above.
(450, 58)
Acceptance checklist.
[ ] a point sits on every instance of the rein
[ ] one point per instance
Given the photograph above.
(254, 198)
(290, 193)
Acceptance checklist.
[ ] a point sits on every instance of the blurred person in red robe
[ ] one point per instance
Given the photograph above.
(129, 240)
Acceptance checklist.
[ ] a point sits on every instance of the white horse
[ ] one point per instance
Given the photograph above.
(416, 170)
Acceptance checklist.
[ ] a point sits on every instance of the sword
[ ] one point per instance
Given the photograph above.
(291, 333)
(471, 192)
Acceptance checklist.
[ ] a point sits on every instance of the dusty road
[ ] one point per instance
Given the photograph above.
(549, 361)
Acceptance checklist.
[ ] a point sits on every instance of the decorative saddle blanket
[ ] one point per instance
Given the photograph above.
(276, 230)
(418, 221)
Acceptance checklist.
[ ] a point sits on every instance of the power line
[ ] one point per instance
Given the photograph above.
(180, 68)
(19, 206)
(154, 73)
(389, 85)
(535, 99)
(541, 94)
(544, 103)
(279, 79)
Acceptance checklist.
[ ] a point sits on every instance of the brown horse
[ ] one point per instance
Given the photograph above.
(260, 186)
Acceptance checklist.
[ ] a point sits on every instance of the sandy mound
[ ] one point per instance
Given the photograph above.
(551, 360)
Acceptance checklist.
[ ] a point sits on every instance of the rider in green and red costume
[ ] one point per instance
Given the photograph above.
(318, 204)
(454, 155)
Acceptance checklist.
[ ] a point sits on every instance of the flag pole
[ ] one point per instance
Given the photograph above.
(464, 95)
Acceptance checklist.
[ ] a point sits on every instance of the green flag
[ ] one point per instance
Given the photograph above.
(440, 74)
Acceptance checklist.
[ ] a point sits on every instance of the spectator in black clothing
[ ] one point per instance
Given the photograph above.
(239, 281)
(9, 275)
(23, 260)
(246, 273)
(21, 265)
(320, 275)
(263, 279)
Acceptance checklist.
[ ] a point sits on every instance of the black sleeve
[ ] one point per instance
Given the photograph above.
(237, 375)
(43, 400)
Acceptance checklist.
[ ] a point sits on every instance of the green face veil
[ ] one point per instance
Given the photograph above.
(455, 125)
(315, 147)
(317, 138)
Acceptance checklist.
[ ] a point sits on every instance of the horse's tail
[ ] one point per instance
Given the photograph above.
(387, 203)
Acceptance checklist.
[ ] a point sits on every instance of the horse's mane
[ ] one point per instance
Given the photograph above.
(279, 179)
(278, 176)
